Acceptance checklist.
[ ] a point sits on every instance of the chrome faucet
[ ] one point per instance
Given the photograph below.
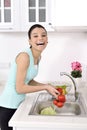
(74, 84)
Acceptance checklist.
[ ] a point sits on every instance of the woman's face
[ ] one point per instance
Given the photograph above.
(38, 39)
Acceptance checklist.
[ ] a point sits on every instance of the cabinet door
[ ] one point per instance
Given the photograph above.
(36, 11)
(9, 15)
(70, 13)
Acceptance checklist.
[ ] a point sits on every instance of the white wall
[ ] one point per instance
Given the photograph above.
(62, 49)
(11, 44)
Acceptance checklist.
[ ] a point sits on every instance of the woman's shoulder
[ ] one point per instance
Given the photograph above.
(23, 56)
(24, 53)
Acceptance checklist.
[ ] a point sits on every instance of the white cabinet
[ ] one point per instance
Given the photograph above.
(37, 11)
(19, 15)
(9, 15)
(70, 13)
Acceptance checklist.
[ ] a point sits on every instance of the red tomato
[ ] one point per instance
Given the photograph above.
(60, 90)
(55, 102)
(60, 104)
(61, 98)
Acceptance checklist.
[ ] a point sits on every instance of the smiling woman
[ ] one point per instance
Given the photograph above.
(22, 72)
(38, 37)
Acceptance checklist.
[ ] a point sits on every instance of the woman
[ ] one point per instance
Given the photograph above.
(22, 73)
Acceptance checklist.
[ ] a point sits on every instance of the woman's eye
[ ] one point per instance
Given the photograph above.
(43, 35)
(35, 36)
(40, 36)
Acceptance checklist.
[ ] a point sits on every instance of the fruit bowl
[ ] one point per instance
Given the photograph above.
(64, 85)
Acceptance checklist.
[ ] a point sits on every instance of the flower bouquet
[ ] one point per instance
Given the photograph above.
(76, 69)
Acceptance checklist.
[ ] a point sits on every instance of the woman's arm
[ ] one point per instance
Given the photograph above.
(22, 66)
(49, 87)
(33, 82)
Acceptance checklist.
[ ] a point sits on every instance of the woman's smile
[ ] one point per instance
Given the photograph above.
(40, 43)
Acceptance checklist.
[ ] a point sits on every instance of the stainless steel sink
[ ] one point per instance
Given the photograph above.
(44, 100)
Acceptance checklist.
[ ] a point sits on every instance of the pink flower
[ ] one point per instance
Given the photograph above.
(76, 70)
(76, 66)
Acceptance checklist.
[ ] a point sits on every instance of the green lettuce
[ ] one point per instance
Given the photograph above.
(48, 111)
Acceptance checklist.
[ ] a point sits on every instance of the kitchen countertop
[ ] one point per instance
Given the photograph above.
(21, 118)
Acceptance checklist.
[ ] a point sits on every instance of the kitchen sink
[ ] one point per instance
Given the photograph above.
(70, 108)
